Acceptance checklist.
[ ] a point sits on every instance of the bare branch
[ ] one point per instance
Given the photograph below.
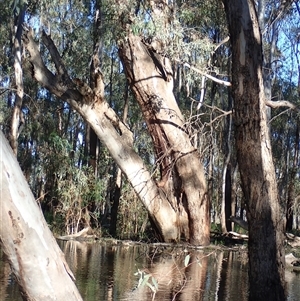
(60, 85)
(41, 73)
(218, 109)
(59, 65)
(281, 113)
(202, 93)
(221, 43)
(218, 117)
(281, 103)
(223, 113)
(217, 80)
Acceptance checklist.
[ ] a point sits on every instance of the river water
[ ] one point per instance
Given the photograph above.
(112, 272)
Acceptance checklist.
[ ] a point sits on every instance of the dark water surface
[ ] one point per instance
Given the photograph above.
(107, 273)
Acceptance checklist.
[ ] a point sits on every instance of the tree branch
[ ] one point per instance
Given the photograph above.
(281, 103)
(61, 85)
(59, 65)
(40, 72)
(221, 43)
(219, 81)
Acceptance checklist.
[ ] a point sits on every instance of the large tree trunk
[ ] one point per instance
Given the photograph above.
(35, 258)
(118, 179)
(264, 214)
(182, 174)
(112, 132)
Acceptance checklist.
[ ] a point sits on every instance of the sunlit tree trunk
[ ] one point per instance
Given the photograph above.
(118, 179)
(182, 174)
(291, 195)
(264, 214)
(234, 191)
(35, 258)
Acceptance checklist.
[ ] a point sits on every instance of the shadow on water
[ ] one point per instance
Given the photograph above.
(107, 272)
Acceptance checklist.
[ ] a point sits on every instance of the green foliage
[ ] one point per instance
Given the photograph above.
(180, 39)
(53, 144)
(187, 260)
(148, 280)
(132, 216)
(76, 189)
(17, 5)
(215, 227)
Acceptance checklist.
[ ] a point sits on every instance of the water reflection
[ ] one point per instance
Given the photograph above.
(106, 272)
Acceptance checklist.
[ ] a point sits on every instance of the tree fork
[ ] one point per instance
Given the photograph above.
(154, 92)
(112, 132)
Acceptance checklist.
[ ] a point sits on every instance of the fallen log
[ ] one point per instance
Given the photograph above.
(235, 235)
(292, 240)
(292, 262)
(86, 233)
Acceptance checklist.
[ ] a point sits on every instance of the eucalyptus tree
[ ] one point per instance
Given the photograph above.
(35, 258)
(178, 202)
(150, 75)
(264, 213)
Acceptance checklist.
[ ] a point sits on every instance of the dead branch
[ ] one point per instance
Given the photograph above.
(217, 80)
(281, 103)
(60, 84)
(85, 233)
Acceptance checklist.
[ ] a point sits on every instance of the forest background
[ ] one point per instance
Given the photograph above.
(122, 116)
(72, 174)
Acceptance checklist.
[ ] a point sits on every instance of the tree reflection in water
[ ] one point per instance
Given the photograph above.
(107, 272)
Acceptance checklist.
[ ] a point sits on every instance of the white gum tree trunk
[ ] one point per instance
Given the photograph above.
(35, 258)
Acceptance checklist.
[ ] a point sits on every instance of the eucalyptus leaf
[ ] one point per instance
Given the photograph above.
(145, 280)
(154, 281)
(187, 260)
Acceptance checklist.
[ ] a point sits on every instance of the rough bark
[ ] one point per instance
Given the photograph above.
(111, 131)
(182, 174)
(264, 214)
(35, 258)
